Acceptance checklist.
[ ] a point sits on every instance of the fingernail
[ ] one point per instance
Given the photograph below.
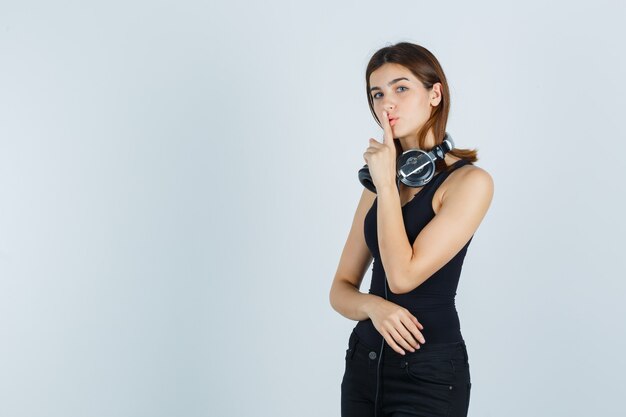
(418, 346)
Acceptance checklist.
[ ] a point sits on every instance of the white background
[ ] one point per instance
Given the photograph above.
(178, 178)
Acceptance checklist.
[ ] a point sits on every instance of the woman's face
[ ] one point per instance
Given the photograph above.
(395, 89)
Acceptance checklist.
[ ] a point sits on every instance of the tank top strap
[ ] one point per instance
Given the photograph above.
(440, 177)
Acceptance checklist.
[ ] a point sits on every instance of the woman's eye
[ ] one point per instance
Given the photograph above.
(374, 96)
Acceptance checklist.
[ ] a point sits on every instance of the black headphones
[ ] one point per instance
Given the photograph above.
(415, 167)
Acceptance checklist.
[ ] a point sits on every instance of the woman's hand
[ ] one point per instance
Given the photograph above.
(397, 325)
(381, 157)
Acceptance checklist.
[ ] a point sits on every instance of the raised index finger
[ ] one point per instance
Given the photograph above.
(387, 133)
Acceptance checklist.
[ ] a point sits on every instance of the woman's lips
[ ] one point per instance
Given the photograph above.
(392, 121)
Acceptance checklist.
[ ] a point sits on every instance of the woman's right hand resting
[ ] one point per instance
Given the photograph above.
(397, 325)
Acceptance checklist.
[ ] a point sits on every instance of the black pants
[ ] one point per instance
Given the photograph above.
(433, 381)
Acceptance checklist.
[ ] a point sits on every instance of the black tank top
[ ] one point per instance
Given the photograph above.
(432, 302)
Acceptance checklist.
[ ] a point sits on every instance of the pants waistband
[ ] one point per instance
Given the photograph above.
(425, 352)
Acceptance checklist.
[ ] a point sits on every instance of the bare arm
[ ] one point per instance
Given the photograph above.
(395, 323)
(351, 303)
(463, 207)
(345, 297)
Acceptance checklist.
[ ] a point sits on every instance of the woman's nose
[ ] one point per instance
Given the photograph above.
(388, 108)
(388, 104)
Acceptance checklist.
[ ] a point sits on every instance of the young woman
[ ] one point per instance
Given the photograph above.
(406, 355)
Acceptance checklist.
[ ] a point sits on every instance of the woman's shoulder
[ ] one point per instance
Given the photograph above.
(365, 203)
(473, 177)
(468, 177)
(475, 171)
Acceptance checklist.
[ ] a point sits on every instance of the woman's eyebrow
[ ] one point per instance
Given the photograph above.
(389, 83)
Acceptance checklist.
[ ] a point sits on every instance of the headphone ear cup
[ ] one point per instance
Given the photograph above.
(415, 168)
(366, 179)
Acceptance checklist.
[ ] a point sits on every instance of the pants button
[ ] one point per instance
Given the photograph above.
(372, 355)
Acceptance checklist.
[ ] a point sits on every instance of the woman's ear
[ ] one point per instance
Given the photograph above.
(435, 94)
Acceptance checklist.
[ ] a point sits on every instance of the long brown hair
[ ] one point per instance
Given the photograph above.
(423, 65)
